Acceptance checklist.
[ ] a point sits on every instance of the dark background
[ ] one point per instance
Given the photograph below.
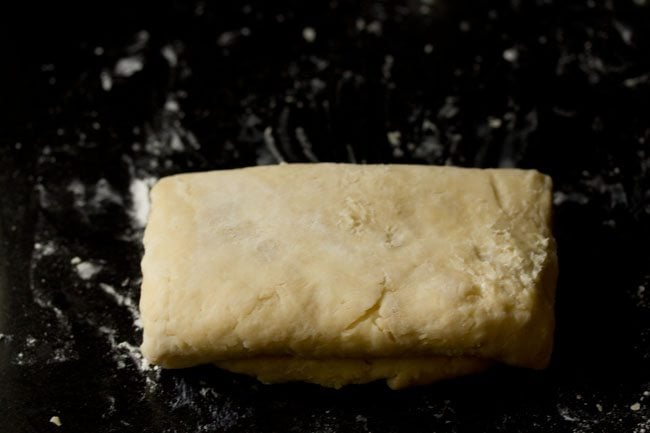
(99, 99)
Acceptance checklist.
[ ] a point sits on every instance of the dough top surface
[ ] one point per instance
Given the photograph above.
(338, 260)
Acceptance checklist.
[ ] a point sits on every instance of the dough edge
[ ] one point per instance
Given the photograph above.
(335, 373)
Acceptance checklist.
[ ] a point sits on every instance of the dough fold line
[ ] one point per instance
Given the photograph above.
(335, 373)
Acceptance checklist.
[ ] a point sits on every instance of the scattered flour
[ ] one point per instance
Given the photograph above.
(394, 138)
(172, 106)
(495, 122)
(139, 190)
(87, 270)
(63, 349)
(175, 141)
(226, 39)
(93, 196)
(309, 34)
(44, 249)
(560, 197)
(511, 55)
(106, 80)
(128, 66)
(306, 145)
(125, 301)
(124, 350)
(269, 141)
(565, 414)
(104, 193)
(170, 55)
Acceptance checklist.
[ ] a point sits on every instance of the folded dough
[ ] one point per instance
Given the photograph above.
(338, 273)
(334, 373)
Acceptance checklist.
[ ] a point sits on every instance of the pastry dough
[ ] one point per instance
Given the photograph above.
(336, 372)
(338, 273)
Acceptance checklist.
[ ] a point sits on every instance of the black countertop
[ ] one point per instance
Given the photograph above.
(103, 98)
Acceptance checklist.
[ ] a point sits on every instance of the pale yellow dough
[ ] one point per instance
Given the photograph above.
(338, 273)
(335, 373)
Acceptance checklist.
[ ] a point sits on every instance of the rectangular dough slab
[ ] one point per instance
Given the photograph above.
(289, 272)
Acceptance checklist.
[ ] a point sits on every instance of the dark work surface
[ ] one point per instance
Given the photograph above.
(100, 99)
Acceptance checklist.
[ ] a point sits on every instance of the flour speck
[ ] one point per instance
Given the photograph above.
(511, 55)
(87, 270)
(309, 34)
(106, 80)
(124, 300)
(139, 190)
(44, 249)
(56, 421)
(394, 138)
(128, 66)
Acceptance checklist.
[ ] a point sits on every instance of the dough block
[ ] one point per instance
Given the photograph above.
(340, 273)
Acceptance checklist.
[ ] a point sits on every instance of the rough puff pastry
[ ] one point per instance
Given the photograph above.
(338, 273)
